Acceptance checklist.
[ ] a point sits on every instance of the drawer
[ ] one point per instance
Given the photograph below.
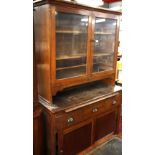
(68, 119)
(101, 107)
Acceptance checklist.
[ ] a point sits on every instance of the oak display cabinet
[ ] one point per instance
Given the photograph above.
(76, 52)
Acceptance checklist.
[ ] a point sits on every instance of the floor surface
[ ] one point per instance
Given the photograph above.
(112, 147)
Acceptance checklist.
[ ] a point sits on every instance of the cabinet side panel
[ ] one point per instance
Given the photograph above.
(49, 133)
(38, 132)
(42, 50)
(35, 89)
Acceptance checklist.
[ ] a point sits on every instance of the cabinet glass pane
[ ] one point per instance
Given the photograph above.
(104, 35)
(71, 44)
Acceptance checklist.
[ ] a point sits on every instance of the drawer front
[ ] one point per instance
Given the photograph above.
(71, 118)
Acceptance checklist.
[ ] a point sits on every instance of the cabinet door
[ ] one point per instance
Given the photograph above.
(105, 125)
(104, 40)
(77, 139)
(71, 44)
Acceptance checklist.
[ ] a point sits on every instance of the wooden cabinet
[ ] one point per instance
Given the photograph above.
(77, 127)
(76, 53)
(75, 45)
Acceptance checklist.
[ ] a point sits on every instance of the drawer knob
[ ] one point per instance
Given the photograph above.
(61, 151)
(95, 110)
(114, 102)
(70, 120)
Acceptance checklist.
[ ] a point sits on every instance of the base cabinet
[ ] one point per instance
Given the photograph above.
(72, 132)
(79, 138)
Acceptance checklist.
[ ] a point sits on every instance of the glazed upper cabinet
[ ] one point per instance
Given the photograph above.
(74, 45)
(72, 53)
(85, 46)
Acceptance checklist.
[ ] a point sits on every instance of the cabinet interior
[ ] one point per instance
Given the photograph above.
(72, 40)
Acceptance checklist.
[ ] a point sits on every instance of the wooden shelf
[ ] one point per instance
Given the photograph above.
(81, 55)
(106, 33)
(70, 56)
(61, 74)
(102, 64)
(101, 69)
(70, 67)
(103, 54)
(81, 32)
(70, 31)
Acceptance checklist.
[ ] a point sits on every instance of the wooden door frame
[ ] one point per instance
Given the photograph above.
(108, 16)
(72, 10)
(64, 131)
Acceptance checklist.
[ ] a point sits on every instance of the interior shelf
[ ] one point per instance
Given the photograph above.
(72, 72)
(102, 54)
(63, 57)
(106, 33)
(62, 68)
(81, 32)
(70, 31)
(98, 68)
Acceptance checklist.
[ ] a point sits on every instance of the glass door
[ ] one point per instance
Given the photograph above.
(104, 44)
(71, 45)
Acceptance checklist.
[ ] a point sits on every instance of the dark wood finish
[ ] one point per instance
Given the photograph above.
(72, 144)
(78, 110)
(86, 112)
(119, 116)
(105, 125)
(50, 133)
(75, 5)
(45, 40)
(63, 121)
(35, 88)
(38, 138)
(42, 50)
(38, 133)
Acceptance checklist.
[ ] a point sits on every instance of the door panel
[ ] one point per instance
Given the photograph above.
(71, 44)
(105, 125)
(104, 44)
(77, 140)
